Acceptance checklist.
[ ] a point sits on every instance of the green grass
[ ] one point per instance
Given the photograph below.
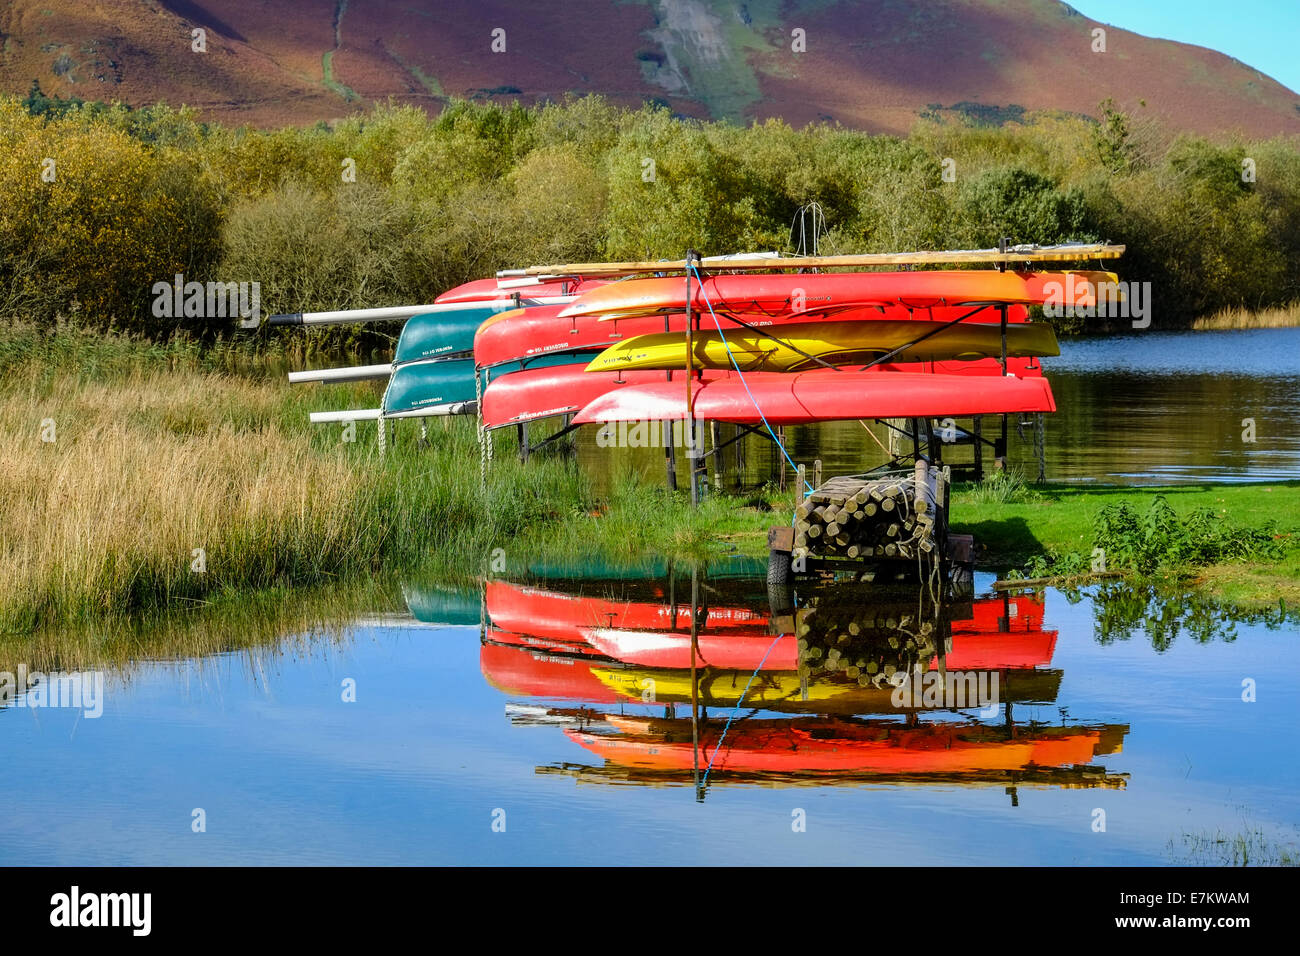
(1248, 847)
(1061, 518)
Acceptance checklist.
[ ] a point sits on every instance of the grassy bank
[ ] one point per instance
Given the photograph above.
(136, 478)
(1284, 317)
(119, 461)
(1045, 525)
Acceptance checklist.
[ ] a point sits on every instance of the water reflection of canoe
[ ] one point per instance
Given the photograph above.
(443, 605)
(784, 691)
(979, 650)
(749, 650)
(524, 672)
(570, 617)
(746, 648)
(809, 745)
(564, 643)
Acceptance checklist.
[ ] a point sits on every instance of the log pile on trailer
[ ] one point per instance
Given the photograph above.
(898, 516)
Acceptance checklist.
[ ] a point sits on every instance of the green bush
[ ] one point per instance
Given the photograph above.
(435, 201)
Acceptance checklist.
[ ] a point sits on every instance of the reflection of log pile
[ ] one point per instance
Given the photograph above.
(886, 518)
(869, 643)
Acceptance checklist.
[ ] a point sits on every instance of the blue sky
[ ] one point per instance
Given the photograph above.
(1260, 33)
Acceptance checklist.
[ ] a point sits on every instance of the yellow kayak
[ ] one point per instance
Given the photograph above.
(798, 346)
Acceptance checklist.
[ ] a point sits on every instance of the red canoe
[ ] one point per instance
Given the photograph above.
(564, 389)
(488, 290)
(537, 393)
(829, 292)
(520, 334)
(823, 395)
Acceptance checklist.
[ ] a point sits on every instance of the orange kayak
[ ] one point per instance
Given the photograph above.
(824, 294)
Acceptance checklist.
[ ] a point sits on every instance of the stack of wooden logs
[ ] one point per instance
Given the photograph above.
(863, 519)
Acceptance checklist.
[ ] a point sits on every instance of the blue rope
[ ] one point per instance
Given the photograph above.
(735, 710)
(700, 284)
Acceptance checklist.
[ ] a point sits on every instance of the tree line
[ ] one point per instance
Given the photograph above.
(99, 202)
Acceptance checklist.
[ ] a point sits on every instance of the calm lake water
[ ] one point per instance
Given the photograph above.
(1150, 407)
(546, 716)
(524, 704)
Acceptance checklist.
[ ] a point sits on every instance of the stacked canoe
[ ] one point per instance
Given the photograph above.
(715, 343)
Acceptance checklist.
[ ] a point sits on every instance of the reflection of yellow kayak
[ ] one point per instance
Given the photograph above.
(796, 346)
(782, 690)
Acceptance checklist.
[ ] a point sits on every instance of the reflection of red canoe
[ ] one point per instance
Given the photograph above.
(735, 649)
(1002, 633)
(834, 746)
(978, 651)
(823, 395)
(520, 334)
(569, 644)
(533, 673)
(565, 617)
(1023, 612)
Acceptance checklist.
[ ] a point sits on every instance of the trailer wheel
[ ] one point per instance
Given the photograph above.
(779, 570)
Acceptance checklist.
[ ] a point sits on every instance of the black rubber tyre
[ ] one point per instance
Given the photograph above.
(779, 572)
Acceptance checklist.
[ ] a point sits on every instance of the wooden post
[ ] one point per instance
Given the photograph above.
(780, 459)
(798, 488)
(1001, 463)
(522, 430)
(1040, 444)
(817, 475)
(978, 431)
(715, 435)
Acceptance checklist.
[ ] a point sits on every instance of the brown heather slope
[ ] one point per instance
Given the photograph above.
(873, 64)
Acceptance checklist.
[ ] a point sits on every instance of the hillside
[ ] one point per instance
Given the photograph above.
(871, 64)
